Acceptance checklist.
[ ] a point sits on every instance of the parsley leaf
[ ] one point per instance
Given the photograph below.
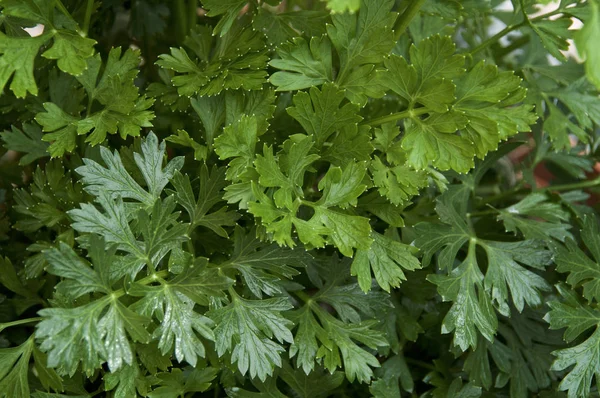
(219, 65)
(248, 327)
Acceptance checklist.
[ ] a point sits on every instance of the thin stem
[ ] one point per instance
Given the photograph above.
(407, 16)
(573, 186)
(397, 116)
(481, 213)
(421, 364)
(89, 7)
(503, 195)
(181, 20)
(63, 9)
(192, 14)
(153, 277)
(303, 296)
(518, 43)
(510, 28)
(551, 188)
(19, 322)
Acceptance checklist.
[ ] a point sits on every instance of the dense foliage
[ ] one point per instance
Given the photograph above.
(302, 198)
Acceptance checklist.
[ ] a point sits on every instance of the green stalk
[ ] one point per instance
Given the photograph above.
(192, 14)
(409, 113)
(63, 9)
(89, 7)
(551, 188)
(181, 20)
(407, 16)
(482, 213)
(303, 296)
(19, 322)
(573, 186)
(510, 28)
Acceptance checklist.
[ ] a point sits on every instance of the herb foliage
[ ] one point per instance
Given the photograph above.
(299, 198)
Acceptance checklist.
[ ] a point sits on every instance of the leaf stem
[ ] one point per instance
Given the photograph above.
(192, 14)
(572, 186)
(19, 322)
(397, 116)
(182, 20)
(407, 16)
(503, 195)
(510, 28)
(153, 277)
(303, 296)
(551, 188)
(482, 213)
(89, 7)
(63, 9)
(422, 364)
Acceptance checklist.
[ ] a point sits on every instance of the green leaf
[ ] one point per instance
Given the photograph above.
(302, 65)
(505, 273)
(320, 113)
(246, 328)
(318, 384)
(427, 79)
(47, 200)
(123, 382)
(177, 383)
(472, 310)
(179, 325)
(399, 183)
(582, 270)
(28, 141)
(209, 194)
(184, 139)
(585, 356)
(71, 50)
(62, 129)
(90, 334)
(229, 66)
(81, 278)
(553, 35)
(589, 34)
(263, 267)
(515, 218)
(362, 38)
(357, 361)
(387, 258)
(230, 9)
(393, 370)
(339, 6)
(112, 180)
(18, 57)
(425, 145)
(238, 141)
(14, 367)
(123, 109)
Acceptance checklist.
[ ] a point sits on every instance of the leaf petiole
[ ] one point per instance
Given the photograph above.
(19, 322)
(397, 116)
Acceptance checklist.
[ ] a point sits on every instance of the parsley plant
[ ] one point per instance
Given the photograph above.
(299, 198)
